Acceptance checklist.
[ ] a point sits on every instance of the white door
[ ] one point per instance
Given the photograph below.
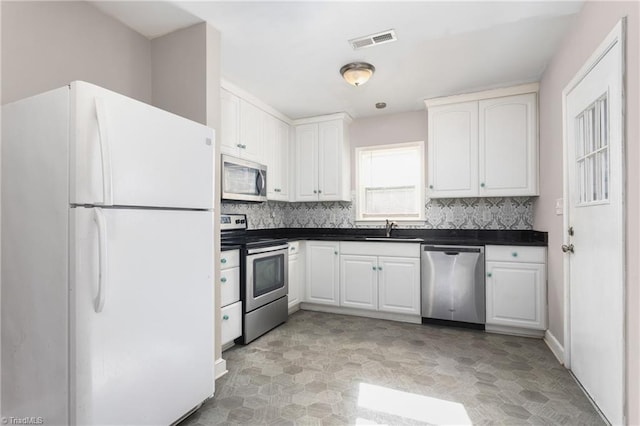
(282, 138)
(508, 130)
(127, 153)
(595, 196)
(452, 150)
(141, 337)
(307, 162)
(399, 285)
(359, 282)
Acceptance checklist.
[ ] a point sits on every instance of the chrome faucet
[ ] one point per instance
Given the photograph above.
(389, 226)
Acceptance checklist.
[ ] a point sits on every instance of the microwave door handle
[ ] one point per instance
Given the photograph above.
(260, 182)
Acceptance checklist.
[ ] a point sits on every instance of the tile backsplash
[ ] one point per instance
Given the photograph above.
(450, 213)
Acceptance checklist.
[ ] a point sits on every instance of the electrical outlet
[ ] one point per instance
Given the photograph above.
(559, 206)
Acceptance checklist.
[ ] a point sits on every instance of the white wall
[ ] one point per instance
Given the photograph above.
(46, 45)
(594, 22)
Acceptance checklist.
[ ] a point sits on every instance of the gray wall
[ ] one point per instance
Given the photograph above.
(46, 45)
(594, 22)
(179, 72)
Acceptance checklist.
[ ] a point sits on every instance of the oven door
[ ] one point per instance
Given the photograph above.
(267, 275)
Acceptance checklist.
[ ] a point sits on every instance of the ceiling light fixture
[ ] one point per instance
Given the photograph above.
(357, 73)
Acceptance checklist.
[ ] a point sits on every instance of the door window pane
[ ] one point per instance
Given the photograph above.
(592, 156)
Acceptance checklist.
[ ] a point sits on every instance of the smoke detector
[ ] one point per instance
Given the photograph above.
(373, 39)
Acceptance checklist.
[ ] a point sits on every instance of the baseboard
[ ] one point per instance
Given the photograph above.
(220, 368)
(555, 346)
(514, 331)
(414, 319)
(293, 309)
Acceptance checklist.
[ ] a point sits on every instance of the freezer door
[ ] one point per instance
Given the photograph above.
(127, 153)
(142, 333)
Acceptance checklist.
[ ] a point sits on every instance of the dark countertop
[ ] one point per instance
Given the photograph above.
(474, 237)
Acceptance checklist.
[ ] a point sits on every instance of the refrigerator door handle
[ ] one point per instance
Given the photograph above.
(98, 218)
(105, 153)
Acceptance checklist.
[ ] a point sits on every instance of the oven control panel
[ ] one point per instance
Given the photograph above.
(233, 221)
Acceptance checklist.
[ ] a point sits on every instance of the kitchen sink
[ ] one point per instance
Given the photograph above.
(396, 239)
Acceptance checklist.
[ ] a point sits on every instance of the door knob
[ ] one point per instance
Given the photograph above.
(567, 248)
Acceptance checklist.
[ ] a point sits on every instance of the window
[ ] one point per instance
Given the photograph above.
(390, 182)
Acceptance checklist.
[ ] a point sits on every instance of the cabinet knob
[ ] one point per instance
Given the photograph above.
(482, 185)
(430, 186)
(223, 279)
(335, 252)
(223, 260)
(489, 274)
(373, 267)
(315, 192)
(319, 191)
(514, 254)
(239, 145)
(379, 268)
(225, 317)
(292, 249)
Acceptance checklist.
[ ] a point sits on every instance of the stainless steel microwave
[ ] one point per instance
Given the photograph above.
(243, 180)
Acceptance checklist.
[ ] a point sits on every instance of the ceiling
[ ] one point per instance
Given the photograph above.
(288, 54)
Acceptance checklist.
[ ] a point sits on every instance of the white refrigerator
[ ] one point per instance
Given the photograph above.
(107, 260)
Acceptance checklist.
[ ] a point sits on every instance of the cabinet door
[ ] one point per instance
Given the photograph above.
(323, 273)
(307, 162)
(399, 285)
(230, 123)
(294, 280)
(231, 323)
(282, 162)
(251, 120)
(271, 146)
(359, 282)
(516, 294)
(508, 146)
(330, 160)
(452, 150)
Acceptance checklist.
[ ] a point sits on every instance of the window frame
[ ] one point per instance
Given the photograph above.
(419, 220)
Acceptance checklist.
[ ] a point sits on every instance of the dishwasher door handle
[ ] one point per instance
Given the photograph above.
(452, 253)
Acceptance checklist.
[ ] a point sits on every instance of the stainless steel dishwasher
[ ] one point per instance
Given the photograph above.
(453, 285)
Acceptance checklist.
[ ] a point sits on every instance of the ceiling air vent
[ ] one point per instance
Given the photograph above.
(373, 39)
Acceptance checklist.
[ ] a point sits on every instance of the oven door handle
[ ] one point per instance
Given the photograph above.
(267, 249)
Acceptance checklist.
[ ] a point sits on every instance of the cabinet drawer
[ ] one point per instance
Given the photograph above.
(231, 322)
(523, 254)
(229, 286)
(380, 249)
(230, 259)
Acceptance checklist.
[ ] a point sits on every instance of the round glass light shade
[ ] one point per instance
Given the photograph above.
(357, 73)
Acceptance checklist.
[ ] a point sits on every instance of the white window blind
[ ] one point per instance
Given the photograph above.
(390, 182)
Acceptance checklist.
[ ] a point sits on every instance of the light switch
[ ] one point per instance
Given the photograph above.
(559, 206)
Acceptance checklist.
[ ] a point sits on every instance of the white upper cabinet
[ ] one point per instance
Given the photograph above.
(483, 144)
(276, 150)
(251, 131)
(508, 142)
(322, 160)
(241, 127)
(452, 151)
(230, 126)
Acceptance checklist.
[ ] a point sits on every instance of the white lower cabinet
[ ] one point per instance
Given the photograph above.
(231, 311)
(373, 276)
(231, 324)
(322, 272)
(516, 286)
(296, 276)
(359, 281)
(399, 285)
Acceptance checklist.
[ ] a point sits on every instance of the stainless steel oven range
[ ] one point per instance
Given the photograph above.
(263, 277)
